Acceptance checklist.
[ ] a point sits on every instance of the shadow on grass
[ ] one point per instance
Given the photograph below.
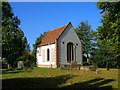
(54, 82)
(14, 71)
(11, 72)
(93, 84)
(51, 82)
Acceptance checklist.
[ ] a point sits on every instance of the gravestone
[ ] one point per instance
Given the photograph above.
(61, 67)
(73, 65)
(97, 71)
(20, 64)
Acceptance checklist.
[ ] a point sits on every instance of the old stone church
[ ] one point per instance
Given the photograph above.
(59, 47)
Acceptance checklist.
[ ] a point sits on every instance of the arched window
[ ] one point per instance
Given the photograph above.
(48, 55)
(70, 53)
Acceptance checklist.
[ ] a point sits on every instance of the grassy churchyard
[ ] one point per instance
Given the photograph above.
(54, 78)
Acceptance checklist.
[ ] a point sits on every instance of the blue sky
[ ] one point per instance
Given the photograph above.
(38, 17)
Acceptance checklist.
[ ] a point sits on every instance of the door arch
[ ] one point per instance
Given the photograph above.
(70, 52)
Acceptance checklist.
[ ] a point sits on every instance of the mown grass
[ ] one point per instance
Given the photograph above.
(56, 78)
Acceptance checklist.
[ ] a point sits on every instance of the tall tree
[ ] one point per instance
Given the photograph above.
(13, 39)
(109, 32)
(84, 33)
(36, 43)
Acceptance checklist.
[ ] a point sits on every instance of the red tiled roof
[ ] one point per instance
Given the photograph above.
(51, 36)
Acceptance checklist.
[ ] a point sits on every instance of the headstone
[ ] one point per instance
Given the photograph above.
(73, 65)
(8, 65)
(85, 68)
(61, 67)
(97, 71)
(20, 64)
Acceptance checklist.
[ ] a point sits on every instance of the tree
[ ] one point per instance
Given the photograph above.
(101, 56)
(27, 57)
(109, 32)
(27, 45)
(36, 43)
(13, 40)
(84, 33)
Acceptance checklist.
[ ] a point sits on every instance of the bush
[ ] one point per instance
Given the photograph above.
(27, 64)
(4, 63)
(85, 64)
(10, 69)
(28, 59)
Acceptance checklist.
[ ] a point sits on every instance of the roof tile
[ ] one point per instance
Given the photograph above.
(51, 36)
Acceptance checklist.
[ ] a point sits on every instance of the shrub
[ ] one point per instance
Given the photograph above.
(27, 64)
(28, 59)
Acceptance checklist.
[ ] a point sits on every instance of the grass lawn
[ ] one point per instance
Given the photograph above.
(54, 78)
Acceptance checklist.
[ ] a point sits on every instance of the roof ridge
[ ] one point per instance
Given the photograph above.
(65, 28)
(54, 29)
(47, 38)
(58, 27)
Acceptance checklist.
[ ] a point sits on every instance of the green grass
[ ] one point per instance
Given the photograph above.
(54, 78)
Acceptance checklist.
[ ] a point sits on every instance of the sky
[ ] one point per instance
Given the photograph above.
(39, 17)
